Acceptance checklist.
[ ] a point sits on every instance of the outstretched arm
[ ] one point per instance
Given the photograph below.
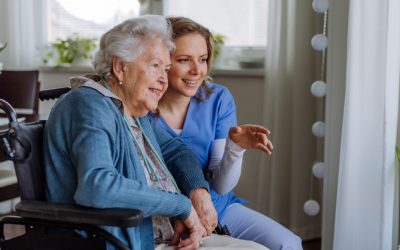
(226, 165)
(227, 155)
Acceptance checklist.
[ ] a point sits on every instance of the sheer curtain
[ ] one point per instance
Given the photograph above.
(23, 28)
(286, 180)
(364, 210)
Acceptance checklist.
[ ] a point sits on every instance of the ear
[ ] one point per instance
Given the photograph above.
(118, 68)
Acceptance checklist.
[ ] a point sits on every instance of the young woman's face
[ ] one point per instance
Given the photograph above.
(146, 78)
(189, 64)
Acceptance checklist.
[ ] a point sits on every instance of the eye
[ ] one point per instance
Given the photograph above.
(155, 65)
(203, 60)
(167, 70)
(183, 60)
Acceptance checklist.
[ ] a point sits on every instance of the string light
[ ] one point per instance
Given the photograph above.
(320, 6)
(318, 88)
(318, 129)
(318, 169)
(319, 42)
(311, 207)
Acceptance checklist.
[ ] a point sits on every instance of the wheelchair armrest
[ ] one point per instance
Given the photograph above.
(119, 217)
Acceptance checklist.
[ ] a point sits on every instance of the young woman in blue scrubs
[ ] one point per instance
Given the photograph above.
(203, 115)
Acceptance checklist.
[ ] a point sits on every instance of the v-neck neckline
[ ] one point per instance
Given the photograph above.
(185, 121)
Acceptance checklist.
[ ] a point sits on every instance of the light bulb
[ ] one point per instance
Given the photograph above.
(318, 88)
(311, 207)
(320, 6)
(318, 170)
(318, 129)
(319, 42)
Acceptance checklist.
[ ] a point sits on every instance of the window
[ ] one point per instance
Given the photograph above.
(87, 18)
(242, 22)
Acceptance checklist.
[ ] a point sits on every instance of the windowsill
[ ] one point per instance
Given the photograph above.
(237, 71)
(71, 69)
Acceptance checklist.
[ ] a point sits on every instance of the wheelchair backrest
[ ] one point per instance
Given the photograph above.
(22, 143)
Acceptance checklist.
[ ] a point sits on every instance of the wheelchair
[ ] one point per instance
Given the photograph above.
(22, 144)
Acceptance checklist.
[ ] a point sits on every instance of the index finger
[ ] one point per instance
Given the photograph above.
(257, 128)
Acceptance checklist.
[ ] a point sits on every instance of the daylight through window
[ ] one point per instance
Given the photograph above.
(87, 18)
(242, 22)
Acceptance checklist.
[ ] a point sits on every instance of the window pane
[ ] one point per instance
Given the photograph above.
(87, 18)
(243, 22)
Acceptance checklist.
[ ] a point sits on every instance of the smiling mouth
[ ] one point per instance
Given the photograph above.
(157, 92)
(191, 83)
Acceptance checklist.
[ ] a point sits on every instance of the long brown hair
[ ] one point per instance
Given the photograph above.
(182, 26)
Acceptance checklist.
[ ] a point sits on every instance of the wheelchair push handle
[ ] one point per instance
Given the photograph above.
(53, 93)
(9, 110)
(13, 122)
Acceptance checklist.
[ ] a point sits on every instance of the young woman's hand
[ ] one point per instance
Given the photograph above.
(201, 200)
(251, 136)
(191, 227)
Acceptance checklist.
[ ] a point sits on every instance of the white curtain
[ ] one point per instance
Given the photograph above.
(364, 210)
(23, 27)
(286, 180)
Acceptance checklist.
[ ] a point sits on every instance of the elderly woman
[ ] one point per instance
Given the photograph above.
(100, 150)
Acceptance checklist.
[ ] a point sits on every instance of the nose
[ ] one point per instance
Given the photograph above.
(163, 77)
(195, 68)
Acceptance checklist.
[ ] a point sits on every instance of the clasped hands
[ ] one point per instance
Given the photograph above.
(201, 222)
(250, 136)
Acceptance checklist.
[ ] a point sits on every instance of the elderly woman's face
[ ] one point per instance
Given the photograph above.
(146, 78)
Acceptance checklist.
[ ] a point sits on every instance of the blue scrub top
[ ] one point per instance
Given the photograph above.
(205, 122)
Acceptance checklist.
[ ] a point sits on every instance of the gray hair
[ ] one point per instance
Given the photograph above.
(127, 41)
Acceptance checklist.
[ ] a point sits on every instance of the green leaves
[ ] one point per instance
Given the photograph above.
(67, 50)
(398, 153)
(2, 46)
(218, 43)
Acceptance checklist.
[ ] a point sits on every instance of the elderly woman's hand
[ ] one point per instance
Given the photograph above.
(201, 200)
(251, 136)
(190, 226)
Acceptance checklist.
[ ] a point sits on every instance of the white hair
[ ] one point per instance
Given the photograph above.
(127, 41)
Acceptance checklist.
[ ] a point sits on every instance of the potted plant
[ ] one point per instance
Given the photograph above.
(69, 51)
(219, 41)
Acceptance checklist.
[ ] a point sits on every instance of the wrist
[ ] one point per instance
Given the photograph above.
(233, 146)
(198, 192)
